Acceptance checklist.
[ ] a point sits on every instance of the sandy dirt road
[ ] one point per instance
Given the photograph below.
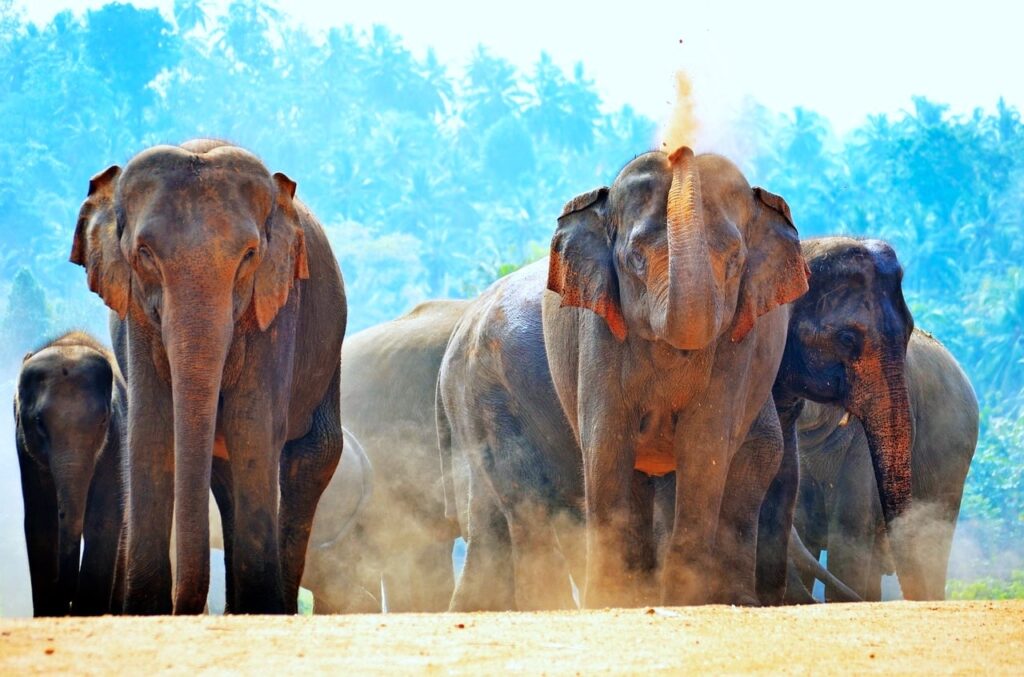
(906, 638)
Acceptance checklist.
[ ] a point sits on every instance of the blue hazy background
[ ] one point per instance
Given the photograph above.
(438, 153)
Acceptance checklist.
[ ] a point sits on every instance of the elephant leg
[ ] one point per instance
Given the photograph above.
(433, 561)
(608, 478)
(487, 582)
(541, 572)
(307, 466)
(702, 456)
(220, 485)
(811, 522)
(255, 556)
(852, 531)
(104, 514)
(929, 527)
(776, 518)
(150, 465)
(752, 471)
(796, 591)
(344, 576)
(41, 534)
(641, 546)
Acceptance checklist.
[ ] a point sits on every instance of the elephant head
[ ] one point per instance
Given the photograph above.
(194, 245)
(847, 346)
(680, 249)
(63, 412)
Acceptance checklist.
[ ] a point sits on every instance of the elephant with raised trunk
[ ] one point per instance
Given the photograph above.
(839, 509)
(69, 411)
(647, 344)
(230, 312)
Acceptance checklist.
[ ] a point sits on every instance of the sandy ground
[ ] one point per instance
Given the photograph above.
(900, 637)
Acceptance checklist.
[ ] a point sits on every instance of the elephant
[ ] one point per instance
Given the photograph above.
(70, 414)
(230, 312)
(647, 343)
(389, 375)
(838, 508)
(847, 347)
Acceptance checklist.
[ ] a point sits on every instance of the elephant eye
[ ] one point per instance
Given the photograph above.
(146, 256)
(37, 420)
(848, 339)
(249, 253)
(637, 262)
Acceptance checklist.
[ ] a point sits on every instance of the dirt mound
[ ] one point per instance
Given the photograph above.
(902, 637)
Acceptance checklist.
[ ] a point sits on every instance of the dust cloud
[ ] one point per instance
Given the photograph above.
(682, 126)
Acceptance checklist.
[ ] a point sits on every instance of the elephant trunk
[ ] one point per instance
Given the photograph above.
(197, 333)
(72, 479)
(689, 307)
(881, 401)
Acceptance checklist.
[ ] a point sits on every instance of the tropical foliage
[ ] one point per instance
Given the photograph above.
(432, 184)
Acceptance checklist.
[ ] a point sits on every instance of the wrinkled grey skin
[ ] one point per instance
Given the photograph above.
(669, 270)
(389, 375)
(847, 346)
(69, 410)
(230, 313)
(334, 562)
(839, 509)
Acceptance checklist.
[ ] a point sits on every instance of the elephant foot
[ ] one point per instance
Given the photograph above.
(736, 597)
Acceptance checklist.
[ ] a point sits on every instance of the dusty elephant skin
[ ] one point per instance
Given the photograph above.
(847, 346)
(649, 356)
(839, 509)
(69, 411)
(230, 312)
(389, 375)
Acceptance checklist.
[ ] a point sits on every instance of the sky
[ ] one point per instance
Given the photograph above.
(845, 60)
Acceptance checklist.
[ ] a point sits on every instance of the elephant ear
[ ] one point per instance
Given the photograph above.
(580, 268)
(284, 260)
(97, 243)
(776, 272)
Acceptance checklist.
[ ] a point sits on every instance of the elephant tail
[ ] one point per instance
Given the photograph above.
(444, 449)
(805, 562)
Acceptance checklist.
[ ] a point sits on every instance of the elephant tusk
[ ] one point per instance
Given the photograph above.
(844, 420)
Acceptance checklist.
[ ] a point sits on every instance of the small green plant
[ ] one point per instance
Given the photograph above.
(305, 602)
(988, 588)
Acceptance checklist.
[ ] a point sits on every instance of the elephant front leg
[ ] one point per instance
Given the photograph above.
(148, 582)
(608, 481)
(307, 466)
(40, 500)
(851, 536)
(702, 461)
(254, 441)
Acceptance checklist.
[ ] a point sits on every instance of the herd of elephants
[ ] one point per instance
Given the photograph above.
(683, 403)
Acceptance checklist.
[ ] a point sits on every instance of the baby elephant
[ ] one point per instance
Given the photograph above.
(69, 412)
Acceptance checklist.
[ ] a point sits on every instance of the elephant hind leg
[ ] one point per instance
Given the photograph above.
(751, 473)
(487, 582)
(220, 484)
(307, 466)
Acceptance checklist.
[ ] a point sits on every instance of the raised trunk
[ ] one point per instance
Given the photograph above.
(880, 400)
(688, 309)
(197, 333)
